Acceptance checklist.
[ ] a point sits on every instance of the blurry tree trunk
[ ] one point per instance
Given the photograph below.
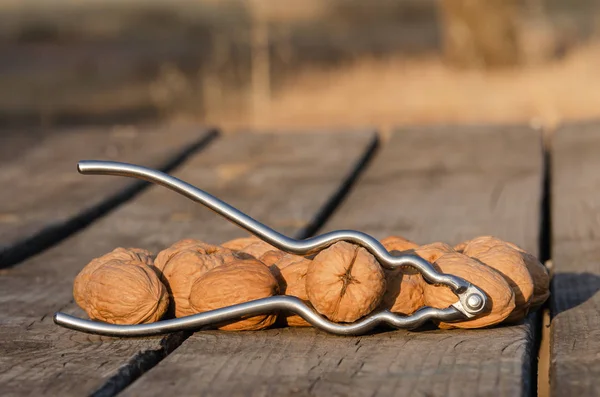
(480, 33)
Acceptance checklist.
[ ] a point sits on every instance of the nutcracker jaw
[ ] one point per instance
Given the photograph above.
(471, 300)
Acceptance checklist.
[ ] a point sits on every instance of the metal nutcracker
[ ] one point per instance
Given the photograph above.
(471, 301)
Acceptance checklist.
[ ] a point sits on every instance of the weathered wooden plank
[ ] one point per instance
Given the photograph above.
(285, 180)
(575, 301)
(46, 200)
(428, 184)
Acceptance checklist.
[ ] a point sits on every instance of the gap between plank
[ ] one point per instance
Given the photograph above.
(541, 363)
(146, 360)
(140, 363)
(543, 382)
(54, 234)
(336, 200)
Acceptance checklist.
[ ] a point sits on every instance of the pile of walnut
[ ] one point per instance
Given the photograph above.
(343, 282)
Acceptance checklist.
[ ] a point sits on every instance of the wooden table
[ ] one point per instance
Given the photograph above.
(428, 184)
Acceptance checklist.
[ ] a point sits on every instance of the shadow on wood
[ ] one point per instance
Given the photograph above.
(577, 287)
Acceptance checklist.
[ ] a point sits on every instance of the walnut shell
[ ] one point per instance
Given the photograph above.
(239, 244)
(510, 264)
(404, 292)
(125, 292)
(431, 252)
(398, 244)
(182, 264)
(539, 272)
(460, 247)
(501, 298)
(232, 283)
(165, 255)
(541, 280)
(272, 257)
(345, 282)
(82, 280)
(250, 245)
(290, 272)
(135, 255)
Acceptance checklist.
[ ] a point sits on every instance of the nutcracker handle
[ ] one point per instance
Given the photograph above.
(262, 306)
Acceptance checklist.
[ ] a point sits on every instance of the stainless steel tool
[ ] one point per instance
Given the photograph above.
(471, 301)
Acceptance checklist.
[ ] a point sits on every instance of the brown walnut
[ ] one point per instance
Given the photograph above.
(182, 264)
(501, 298)
(539, 272)
(235, 282)
(135, 255)
(510, 263)
(344, 282)
(290, 272)
(250, 245)
(404, 292)
(431, 252)
(272, 257)
(395, 244)
(125, 292)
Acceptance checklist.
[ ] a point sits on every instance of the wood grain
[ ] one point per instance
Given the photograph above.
(427, 184)
(45, 199)
(283, 180)
(575, 301)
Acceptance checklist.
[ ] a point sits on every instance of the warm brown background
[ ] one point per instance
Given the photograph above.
(292, 64)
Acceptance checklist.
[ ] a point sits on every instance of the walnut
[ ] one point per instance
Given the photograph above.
(182, 264)
(345, 282)
(404, 292)
(123, 292)
(165, 255)
(135, 255)
(397, 244)
(460, 247)
(290, 272)
(431, 252)
(510, 263)
(501, 298)
(541, 280)
(235, 282)
(272, 257)
(539, 273)
(250, 245)
(239, 244)
(540, 276)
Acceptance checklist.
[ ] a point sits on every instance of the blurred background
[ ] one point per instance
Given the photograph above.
(277, 64)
